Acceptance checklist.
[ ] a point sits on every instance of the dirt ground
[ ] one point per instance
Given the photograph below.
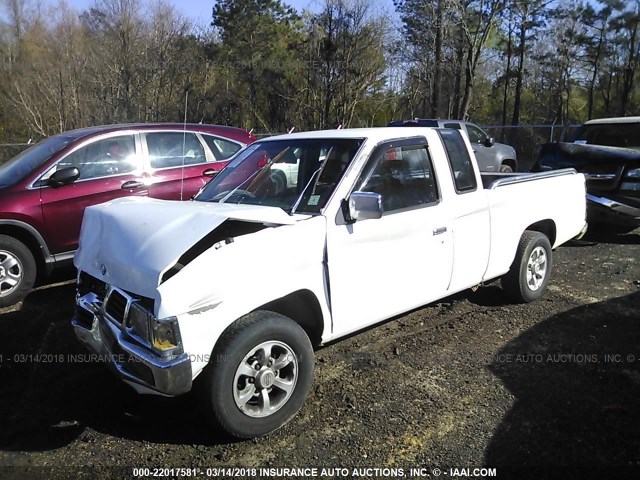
(468, 382)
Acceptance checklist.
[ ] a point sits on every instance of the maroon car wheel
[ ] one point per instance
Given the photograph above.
(17, 271)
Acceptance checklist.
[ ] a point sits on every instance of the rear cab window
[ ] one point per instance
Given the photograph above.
(464, 176)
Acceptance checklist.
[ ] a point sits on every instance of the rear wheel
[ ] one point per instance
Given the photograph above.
(530, 271)
(259, 376)
(505, 168)
(17, 271)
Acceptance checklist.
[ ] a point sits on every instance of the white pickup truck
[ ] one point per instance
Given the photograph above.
(238, 286)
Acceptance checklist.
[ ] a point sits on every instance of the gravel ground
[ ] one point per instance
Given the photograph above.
(468, 382)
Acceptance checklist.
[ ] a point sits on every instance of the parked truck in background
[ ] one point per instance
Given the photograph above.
(607, 151)
(235, 289)
(490, 155)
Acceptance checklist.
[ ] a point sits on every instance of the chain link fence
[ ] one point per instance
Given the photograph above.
(526, 139)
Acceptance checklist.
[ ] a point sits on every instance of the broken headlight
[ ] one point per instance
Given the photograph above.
(165, 335)
(162, 335)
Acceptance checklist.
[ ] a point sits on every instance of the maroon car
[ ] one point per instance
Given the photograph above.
(45, 189)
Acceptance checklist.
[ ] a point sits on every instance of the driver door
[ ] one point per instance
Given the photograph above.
(382, 267)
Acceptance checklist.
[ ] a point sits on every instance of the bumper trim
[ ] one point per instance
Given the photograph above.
(615, 206)
(146, 372)
(583, 232)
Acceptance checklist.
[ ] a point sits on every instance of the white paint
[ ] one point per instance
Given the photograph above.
(376, 268)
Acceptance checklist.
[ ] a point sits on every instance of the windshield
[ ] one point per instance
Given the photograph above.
(626, 135)
(295, 175)
(27, 161)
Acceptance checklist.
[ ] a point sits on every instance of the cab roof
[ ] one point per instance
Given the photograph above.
(376, 133)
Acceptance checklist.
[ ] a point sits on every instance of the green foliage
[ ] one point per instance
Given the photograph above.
(259, 47)
(263, 65)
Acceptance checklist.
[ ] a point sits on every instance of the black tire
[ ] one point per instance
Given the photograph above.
(519, 283)
(505, 168)
(17, 271)
(222, 381)
(280, 181)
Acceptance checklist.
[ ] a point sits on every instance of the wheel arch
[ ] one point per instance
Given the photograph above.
(302, 307)
(511, 162)
(546, 227)
(30, 237)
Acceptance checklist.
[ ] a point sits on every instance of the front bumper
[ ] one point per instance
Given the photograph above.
(607, 210)
(144, 370)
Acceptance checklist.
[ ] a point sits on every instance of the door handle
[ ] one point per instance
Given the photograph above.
(439, 231)
(131, 185)
(210, 172)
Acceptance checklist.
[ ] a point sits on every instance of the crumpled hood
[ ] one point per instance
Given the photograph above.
(131, 242)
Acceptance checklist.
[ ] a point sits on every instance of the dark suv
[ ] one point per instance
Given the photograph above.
(45, 189)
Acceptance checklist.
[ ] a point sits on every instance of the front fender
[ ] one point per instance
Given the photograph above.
(224, 284)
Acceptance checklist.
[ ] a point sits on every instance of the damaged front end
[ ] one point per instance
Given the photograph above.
(129, 308)
(121, 329)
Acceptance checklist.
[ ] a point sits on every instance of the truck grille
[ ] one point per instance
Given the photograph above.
(117, 301)
(117, 306)
(87, 283)
(602, 177)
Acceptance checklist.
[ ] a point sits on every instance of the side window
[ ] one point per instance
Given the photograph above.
(174, 149)
(221, 149)
(102, 158)
(475, 134)
(463, 174)
(404, 177)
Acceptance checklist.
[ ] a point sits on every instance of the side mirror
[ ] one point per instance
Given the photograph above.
(64, 176)
(363, 206)
(489, 142)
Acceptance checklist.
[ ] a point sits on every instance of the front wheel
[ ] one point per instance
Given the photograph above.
(259, 376)
(530, 271)
(17, 271)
